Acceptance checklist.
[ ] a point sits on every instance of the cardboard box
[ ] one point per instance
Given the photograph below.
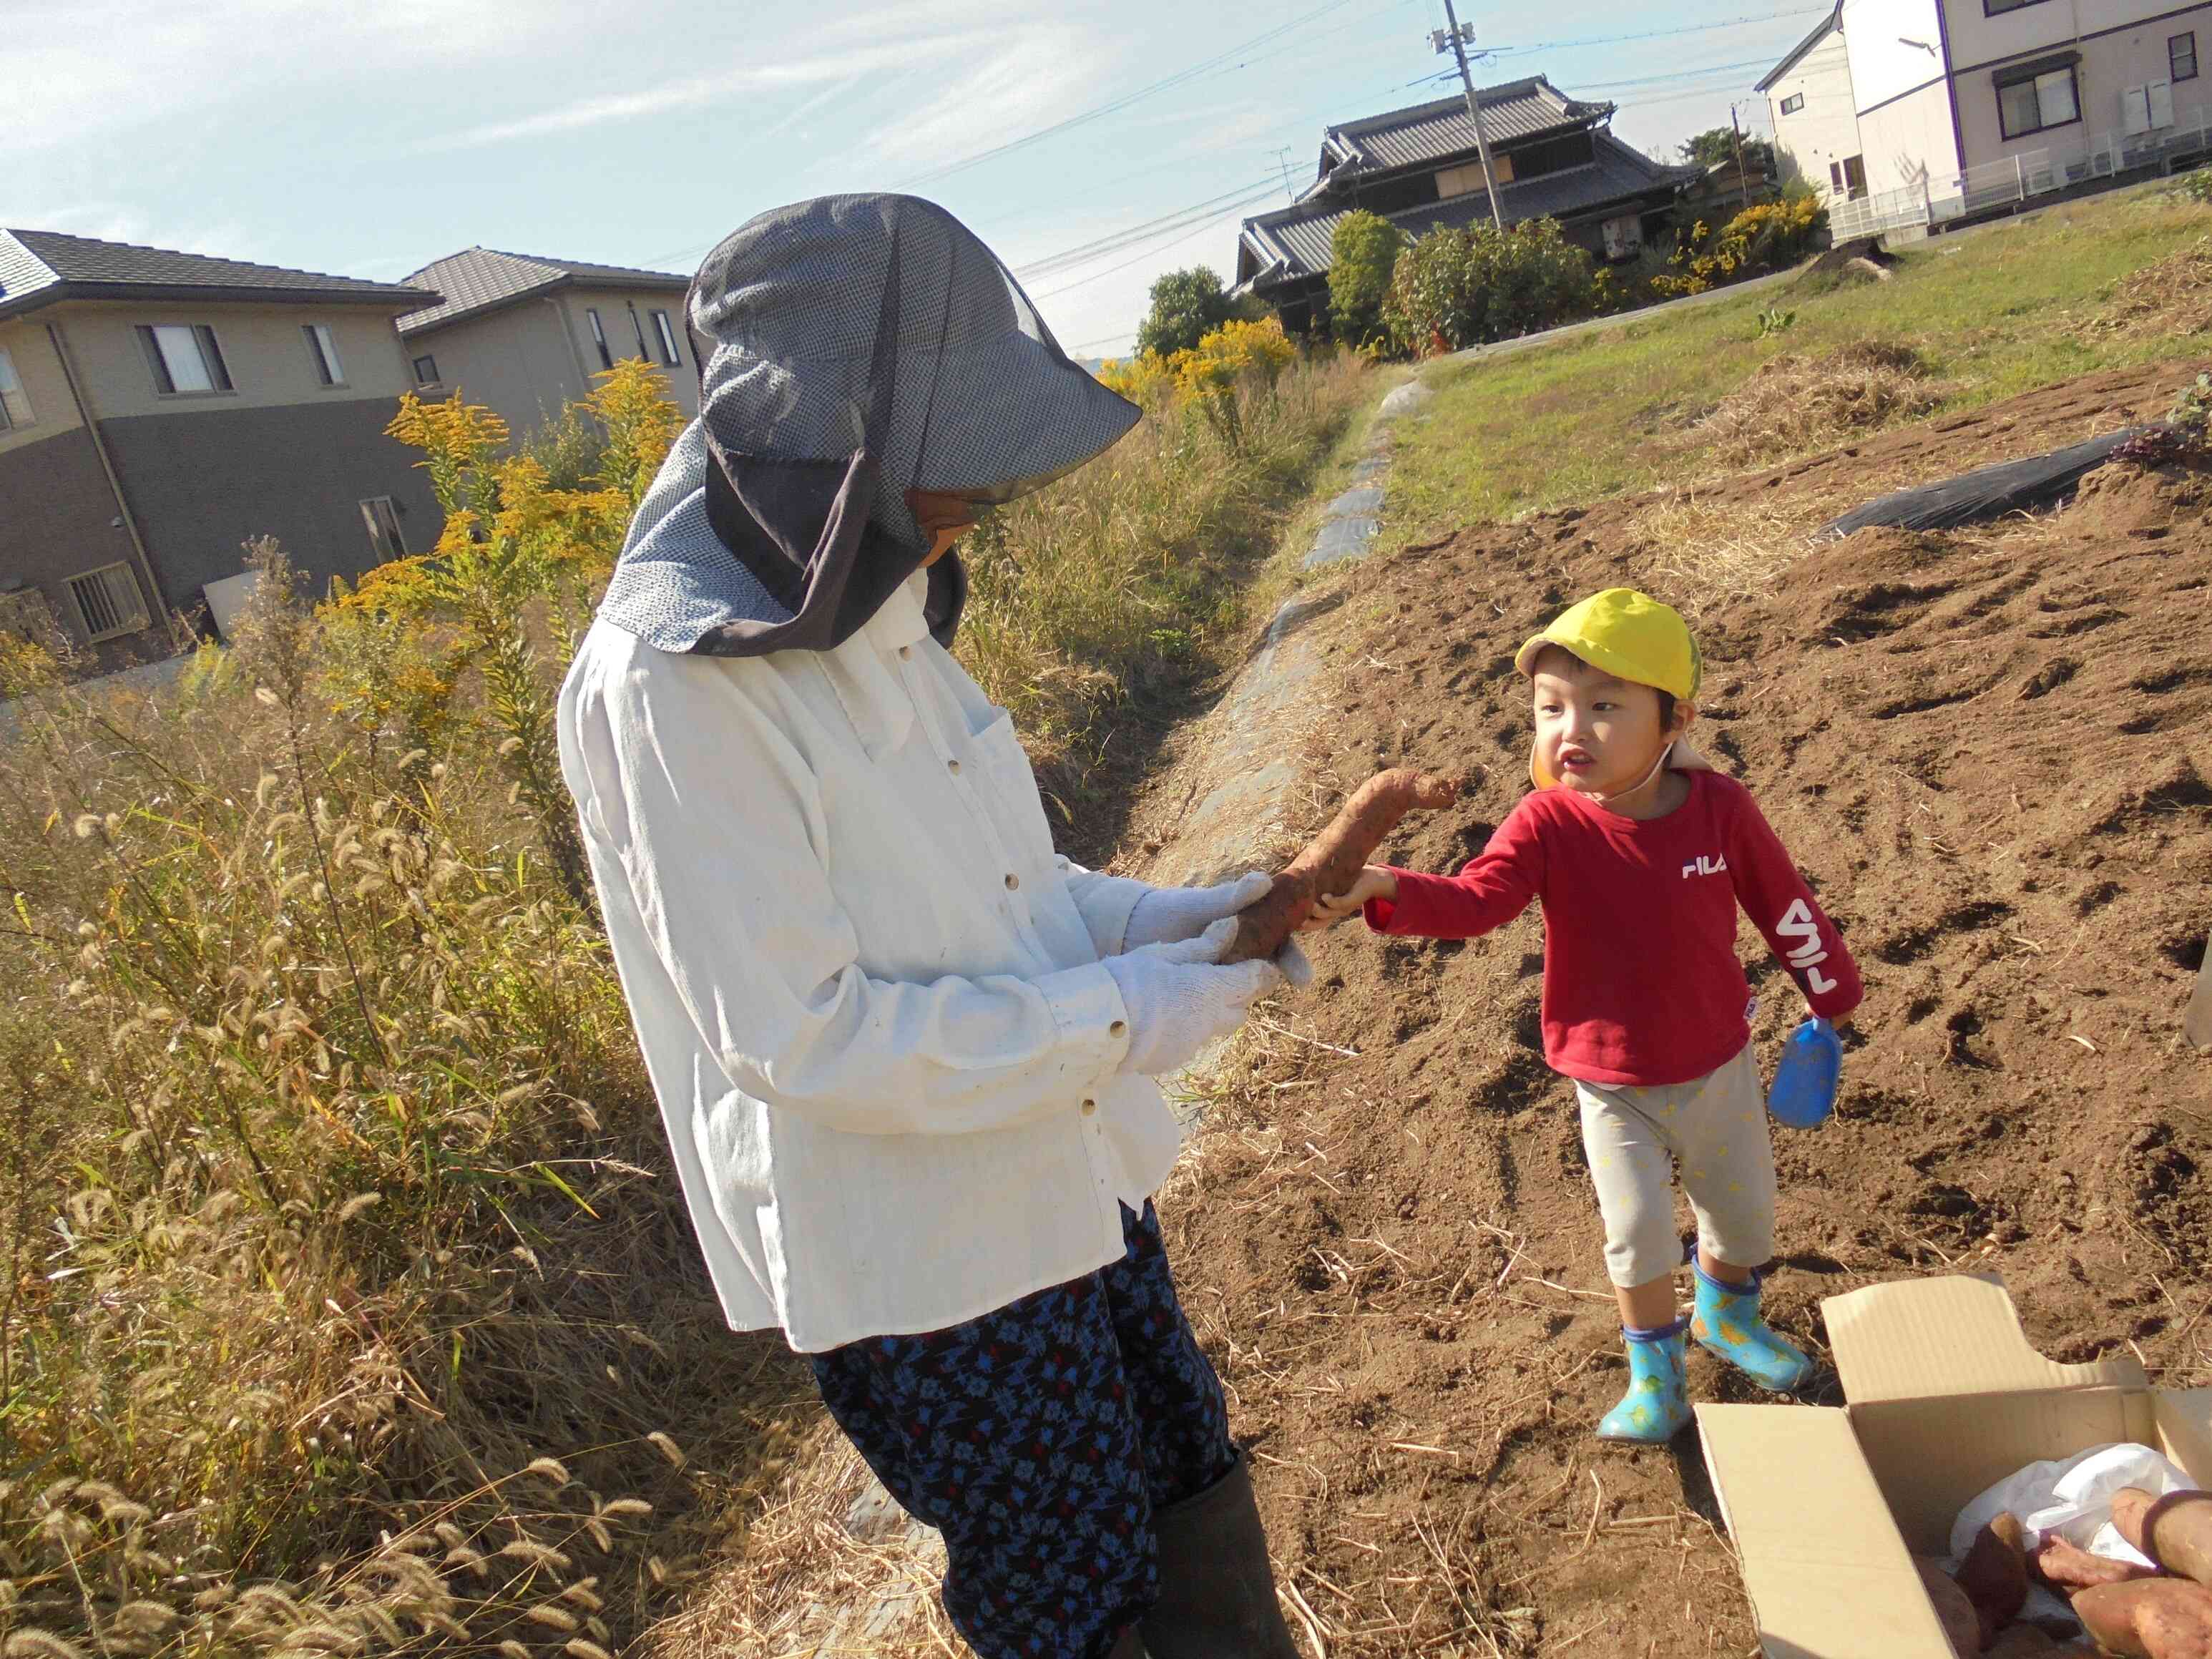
(1828, 1506)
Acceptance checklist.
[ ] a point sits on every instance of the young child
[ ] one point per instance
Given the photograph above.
(1641, 852)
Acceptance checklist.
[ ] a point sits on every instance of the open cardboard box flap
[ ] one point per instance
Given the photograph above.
(1946, 1396)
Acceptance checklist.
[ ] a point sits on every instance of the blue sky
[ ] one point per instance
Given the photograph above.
(370, 136)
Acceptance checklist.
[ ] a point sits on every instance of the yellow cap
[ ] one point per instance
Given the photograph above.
(1628, 634)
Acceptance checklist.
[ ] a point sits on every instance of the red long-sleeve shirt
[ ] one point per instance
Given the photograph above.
(1642, 985)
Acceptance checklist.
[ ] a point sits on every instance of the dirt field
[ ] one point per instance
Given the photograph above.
(1990, 751)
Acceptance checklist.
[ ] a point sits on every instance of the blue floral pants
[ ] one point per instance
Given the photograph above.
(1039, 1439)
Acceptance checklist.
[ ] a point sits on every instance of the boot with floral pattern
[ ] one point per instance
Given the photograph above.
(1727, 1322)
(1656, 1406)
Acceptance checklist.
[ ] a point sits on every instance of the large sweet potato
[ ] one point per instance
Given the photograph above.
(2067, 1567)
(1993, 1575)
(2149, 1617)
(1331, 862)
(1952, 1610)
(2175, 1530)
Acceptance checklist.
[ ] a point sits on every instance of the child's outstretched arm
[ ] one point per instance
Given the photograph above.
(1782, 906)
(1492, 889)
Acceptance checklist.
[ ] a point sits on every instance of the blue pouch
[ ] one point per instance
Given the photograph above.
(1804, 1091)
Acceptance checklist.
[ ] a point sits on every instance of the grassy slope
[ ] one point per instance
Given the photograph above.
(1994, 313)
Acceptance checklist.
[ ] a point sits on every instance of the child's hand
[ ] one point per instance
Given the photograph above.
(1329, 908)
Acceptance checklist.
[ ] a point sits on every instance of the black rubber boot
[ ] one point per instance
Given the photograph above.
(1217, 1589)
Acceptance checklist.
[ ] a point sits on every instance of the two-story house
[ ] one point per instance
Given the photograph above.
(1959, 105)
(524, 335)
(158, 410)
(1422, 167)
(1815, 114)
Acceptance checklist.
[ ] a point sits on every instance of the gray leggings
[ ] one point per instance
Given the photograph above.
(1716, 1129)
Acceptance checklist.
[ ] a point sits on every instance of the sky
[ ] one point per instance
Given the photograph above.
(1094, 143)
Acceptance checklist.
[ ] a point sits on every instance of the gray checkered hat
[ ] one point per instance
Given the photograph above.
(850, 347)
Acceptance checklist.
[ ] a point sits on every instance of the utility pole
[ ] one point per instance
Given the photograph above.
(1742, 179)
(1458, 36)
(1283, 159)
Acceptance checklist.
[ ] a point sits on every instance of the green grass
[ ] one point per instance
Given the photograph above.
(1994, 313)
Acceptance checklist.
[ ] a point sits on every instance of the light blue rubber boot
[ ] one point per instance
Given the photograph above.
(1656, 1406)
(1727, 1322)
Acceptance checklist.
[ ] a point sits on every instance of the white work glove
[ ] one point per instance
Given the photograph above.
(1170, 915)
(1178, 999)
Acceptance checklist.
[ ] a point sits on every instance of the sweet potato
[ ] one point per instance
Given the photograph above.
(1952, 1610)
(2175, 1530)
(2149, 1617)
(2067, 1567)
(1993, 1575)
(1331, 862)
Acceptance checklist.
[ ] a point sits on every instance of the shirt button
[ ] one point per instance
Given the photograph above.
(1090, 1108)
(953, 767)
(1118, 1028)
(1013, 882)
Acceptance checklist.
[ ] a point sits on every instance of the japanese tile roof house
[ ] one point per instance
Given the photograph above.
(158, 408)
(524, 335)
(1420, 167)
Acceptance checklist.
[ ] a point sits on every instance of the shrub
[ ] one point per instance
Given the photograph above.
(1363, 252)
(1461, 288)
(2196, 185)
(1759, 239)
(1187, 306)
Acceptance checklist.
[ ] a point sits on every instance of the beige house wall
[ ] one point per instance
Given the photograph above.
(516, 360)
(614, 306)
(263, 348)
(52, 410)
(1827, 128)
(2123, 44)
(1908, 143)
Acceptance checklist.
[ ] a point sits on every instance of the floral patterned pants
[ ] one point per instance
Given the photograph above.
(1039, 1439)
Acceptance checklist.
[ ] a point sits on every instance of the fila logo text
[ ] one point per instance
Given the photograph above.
(1807, 953)
(1703, 864)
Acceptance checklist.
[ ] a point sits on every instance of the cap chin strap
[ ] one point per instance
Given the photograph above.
(1642, 784)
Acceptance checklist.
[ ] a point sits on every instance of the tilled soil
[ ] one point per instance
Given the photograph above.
(1990, 752)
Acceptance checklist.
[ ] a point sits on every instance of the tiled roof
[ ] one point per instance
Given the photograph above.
(481, 278)
(1428, 132)
(1299, 237)
(38, 267)
(1833, 23)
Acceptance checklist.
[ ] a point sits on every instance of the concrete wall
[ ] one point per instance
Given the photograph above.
(52, 410)
(202, 483)
(516, 362)
(2123, 44)
(1827, 128)
(613, 306)
(60, 520)
(263, 348)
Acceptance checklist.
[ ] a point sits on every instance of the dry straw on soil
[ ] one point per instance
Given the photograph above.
(347, 1303)
(1794, 404)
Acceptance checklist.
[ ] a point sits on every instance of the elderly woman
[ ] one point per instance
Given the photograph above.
(904, 1051)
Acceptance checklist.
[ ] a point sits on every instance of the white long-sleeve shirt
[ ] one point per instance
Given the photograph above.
(866, 988)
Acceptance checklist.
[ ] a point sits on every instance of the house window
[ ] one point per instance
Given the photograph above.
(1998, 8)
(425, 370)
(1465, 180)
(323, 351)
(661, 326)
(600, 338)
(14, 406)
(2031, 100)
(383, 521)
(107, 602)
(638, 328)
(1793, 103)
(1848, 176)
(2181, 56)
(185, 359)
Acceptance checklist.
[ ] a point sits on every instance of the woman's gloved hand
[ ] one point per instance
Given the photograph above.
(1178, 998)
(1170, 915)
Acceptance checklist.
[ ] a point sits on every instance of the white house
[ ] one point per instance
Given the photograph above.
(1960, 104)
(1815, 114)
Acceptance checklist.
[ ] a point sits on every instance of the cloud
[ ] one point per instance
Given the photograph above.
(1035, 75)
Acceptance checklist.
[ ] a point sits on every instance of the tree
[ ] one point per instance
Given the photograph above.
(1363, 252)
(1187, 306)
(1460, 288)
(1716, 145)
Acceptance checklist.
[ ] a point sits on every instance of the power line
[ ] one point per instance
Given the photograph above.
(1148, 253)
(1657, 34)
(1115, 242)
(1112, 106)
